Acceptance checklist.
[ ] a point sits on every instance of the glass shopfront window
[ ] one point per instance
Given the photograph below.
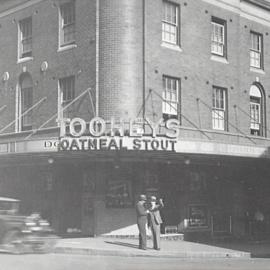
(119, 194)
(198, 216)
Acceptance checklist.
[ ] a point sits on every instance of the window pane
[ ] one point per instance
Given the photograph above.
(67, 89)
(26, 104)
(25, 46)
(170, 96)
(217, 38)
(255, 114)
(219, 108)
(67, 30)
(255, 50)
(170, 23)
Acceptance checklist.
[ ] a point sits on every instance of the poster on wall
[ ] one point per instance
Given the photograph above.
(119, 194)
(198, 216)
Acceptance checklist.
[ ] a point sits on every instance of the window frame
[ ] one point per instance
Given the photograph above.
(62, 103)
(26, 124)
(261, 131)
(216, 115)
(260, 51)
(61, 31)
(20, 108)
(165, 102)
(22, 55)
(221, 23)
(164, 22)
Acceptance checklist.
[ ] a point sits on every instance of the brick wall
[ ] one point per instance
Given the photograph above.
(121, 60)
(193, 65)
(79, 61)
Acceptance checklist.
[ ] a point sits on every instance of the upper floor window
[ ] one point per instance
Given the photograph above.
(25, 102)
(67, 23)
(66, 95)
(256, 111)
(25, 38)
(170, 95)
(218, 37)
(256, 50)
(219, 110)
(170, 23)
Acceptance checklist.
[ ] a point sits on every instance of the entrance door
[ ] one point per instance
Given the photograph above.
(88, 206)
(69, 201)
(88, 215)
(221, 224)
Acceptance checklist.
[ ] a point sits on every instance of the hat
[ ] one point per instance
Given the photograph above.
(142, 197)
(153, 198)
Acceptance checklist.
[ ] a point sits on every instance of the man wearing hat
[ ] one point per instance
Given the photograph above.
(142, 212)
(155, 220)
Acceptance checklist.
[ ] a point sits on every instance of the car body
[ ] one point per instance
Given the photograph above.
(19, 232)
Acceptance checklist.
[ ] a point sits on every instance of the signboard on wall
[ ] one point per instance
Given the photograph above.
(198, 216)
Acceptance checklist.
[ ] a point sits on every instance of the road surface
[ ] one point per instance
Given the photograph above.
(83, 262)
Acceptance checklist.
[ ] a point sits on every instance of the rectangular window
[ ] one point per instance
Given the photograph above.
(170, 23)
(26, 103)
(255, 116)
(256, 50)
(25, 38)
(219, 113)
(66, 95)
(67, 23)
(170, 95)
(218, 37)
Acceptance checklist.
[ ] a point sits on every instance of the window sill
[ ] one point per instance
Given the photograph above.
(67, 47)
(171, 46)
(220, 130)
(257, 70)
(25, 59)
(219, 59)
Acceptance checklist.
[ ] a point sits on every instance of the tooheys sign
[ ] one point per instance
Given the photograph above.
(99, 134)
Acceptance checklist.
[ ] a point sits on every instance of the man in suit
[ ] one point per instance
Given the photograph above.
(142, 212)
(155, 220)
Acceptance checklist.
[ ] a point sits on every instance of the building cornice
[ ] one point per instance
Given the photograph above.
(265, 4)
(246, 9)
(19, 7)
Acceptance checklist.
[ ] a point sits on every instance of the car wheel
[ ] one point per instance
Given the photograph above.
(13, 242)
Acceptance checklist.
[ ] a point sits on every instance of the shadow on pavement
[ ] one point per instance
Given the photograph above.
(122, 244)
(257, 249)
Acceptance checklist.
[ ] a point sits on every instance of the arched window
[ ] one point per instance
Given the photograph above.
(256, 110)
(25, 102)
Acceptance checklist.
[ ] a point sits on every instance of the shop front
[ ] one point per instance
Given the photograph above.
(88, 185)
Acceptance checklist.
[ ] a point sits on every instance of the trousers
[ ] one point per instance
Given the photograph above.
(155, 228)
(141, 222)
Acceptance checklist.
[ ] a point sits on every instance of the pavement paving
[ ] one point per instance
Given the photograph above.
(129, 248)
(82, 262)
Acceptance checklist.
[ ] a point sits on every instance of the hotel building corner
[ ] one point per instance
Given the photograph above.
(103, 100)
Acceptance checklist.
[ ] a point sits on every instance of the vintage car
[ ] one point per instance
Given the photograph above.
(20, 234)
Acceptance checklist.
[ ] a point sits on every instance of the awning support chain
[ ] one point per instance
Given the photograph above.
(3, 108)
(56, 114)
(186, 118)
(27, 111)
(148, 95)
(229, 123)
(92, 103)
(249, 116)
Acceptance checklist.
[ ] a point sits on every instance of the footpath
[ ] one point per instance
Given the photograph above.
(169, 248)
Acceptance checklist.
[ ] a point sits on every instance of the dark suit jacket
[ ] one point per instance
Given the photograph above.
(155, 218)
(141, 210)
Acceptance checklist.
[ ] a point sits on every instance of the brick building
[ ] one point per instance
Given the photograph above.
(201, 65)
